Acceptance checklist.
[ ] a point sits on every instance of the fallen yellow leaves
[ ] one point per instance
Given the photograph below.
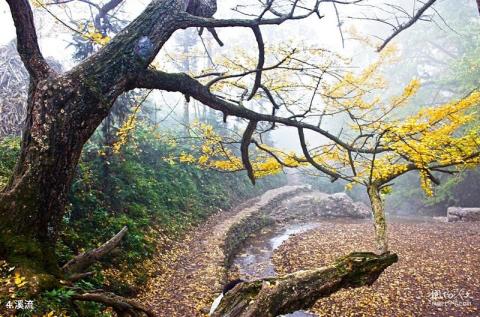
(433, 257)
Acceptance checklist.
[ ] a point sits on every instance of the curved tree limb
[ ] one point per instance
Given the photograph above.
(78, 276)
(334, 176)
(201, 21)
(274, 296)
(246, 140)
(179, 82)
(82, 261)
(261, 60)
(27, 41)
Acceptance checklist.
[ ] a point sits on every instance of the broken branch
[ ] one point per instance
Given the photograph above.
(246, 140)
(275, 296)
(121, 305)
(84, 260)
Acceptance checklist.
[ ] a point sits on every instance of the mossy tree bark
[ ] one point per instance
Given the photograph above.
(62, 113)
(379, 222)
(271, 297)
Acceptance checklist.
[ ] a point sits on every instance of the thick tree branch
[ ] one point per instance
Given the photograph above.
(407, 24)
(82, 261)
(275, 296)
(130, 51)
(334, 176)
(78, 276)
(27, 42)
(179, 82)
(261, 61)
(199, 21)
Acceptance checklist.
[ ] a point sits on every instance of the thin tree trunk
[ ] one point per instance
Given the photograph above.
(378, 209)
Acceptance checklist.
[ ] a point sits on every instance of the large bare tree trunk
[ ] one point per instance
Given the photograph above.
(271, 297)
(63, 112)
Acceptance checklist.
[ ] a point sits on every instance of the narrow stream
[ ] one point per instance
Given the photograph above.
(255, 259)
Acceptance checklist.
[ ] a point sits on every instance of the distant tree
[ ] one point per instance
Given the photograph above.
(14, 80)
(444, 57)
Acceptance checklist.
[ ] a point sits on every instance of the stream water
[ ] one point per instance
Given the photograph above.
(255, 259)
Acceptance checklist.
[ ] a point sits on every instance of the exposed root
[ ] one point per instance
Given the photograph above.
(124, 307)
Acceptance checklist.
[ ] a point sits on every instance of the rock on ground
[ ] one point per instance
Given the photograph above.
(463, 214)
(315, 204)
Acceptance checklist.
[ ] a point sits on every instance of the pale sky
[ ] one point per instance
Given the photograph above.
(324, 31)
(6, 24)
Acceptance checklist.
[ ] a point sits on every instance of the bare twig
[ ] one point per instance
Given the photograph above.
(407, 24)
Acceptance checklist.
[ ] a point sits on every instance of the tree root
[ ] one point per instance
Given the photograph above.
(78, 276)
(271, 297)
(73, 271)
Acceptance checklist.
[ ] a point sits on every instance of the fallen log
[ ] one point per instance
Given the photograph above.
(275, 296)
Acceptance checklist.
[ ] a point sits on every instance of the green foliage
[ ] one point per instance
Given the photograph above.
(139, 189)
(9, 150)
(58, 299)
(135, 188)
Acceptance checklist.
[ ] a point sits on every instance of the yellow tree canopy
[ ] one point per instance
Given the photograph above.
(433, 139)
(375, 142)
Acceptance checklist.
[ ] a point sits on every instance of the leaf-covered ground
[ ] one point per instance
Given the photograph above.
(187, 276)
(190, 273)
(438, 273)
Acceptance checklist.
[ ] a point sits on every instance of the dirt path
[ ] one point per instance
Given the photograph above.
(192, 272)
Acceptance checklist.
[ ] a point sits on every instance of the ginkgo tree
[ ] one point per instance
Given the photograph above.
(375, 145)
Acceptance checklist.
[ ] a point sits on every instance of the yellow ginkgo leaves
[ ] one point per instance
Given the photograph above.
(19, 280)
